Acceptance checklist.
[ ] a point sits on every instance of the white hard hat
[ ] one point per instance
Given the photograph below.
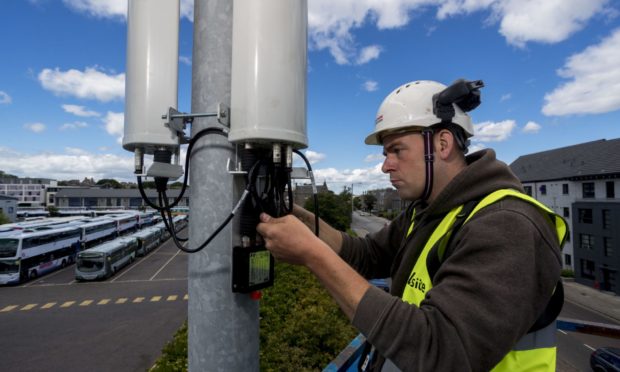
(411, 105)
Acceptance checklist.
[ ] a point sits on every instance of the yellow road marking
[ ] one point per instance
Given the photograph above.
(104, 301)
(48, 305)
(67, 304)
(9, 308)
(155, 298)
(28, 307)
(86, 302)
(172, 298)
(137, 300)
(121, 301)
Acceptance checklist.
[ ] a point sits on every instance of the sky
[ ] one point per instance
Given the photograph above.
(551, 71)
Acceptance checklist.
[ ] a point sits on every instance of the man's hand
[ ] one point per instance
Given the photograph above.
(288, 239)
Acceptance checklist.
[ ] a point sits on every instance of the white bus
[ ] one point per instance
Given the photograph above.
(97, 230)
(165, 234)
(180, 222)
(148, 239)
(125, 222)
(28, 254)
(145, 219)
(104, 260)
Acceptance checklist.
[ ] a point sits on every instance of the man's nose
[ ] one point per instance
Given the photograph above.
(388, 165)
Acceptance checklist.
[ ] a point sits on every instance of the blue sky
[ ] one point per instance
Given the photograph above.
(551, 69)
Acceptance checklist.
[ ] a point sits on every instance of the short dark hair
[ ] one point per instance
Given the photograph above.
(457, 131)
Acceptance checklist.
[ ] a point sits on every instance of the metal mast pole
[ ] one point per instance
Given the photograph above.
(223, 326)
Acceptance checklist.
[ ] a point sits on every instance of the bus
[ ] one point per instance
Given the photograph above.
(27, 254)
(97, 230)
(148, 239)
(104, 260)
(145, 219)
(165, 234)
(180, 222)
(125, 222)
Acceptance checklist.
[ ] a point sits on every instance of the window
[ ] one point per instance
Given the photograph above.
(528, 190)
(543, 189)
(588, 189)
(609, 187)
(565, 188)
(586, 241)
(135, 202)
(75, 202)
(566, 212)
(606, 219)
(567, 259)
(608, 247)
(587, 269)
(585, 215)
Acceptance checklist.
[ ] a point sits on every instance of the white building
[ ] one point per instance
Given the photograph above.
(582, 184)
(30, 192)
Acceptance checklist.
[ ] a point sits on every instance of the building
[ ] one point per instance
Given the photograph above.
(8, 207)
(582, 184)
(95, 198)
(301, 193)
(30, 192)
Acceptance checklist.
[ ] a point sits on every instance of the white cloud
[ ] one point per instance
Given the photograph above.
(505, 97)
(88, 84)
(493, 132)
(370, 85)
(363, 178)
(118, 8)
(368, 53)
(35, 127)
(314, 157)
(115, 124)
(531, 127)
(476, 147)
(523, 21)
(74, 125)
(594, 87)
(99, 8)
(79, 111)
(548, 21)
(374, 158)
(5, 98)
(185, 60)
(73, 164)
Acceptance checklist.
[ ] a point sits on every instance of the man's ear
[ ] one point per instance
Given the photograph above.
(444, 143)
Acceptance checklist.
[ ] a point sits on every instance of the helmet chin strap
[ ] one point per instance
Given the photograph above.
(427, 135)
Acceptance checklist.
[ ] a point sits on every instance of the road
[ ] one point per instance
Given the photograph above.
(574, 349)
(121, 324)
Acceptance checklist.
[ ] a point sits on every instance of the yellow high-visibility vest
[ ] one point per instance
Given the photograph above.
(536, 351)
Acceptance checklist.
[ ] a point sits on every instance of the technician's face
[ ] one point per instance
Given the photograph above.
(404, 162)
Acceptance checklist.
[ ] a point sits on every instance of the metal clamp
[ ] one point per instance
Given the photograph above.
(177, 120)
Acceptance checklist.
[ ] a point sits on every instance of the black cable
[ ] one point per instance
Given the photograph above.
(314, 191)
(192, 142)
(173, 231)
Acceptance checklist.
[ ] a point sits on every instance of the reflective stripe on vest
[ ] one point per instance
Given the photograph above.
(534, 351)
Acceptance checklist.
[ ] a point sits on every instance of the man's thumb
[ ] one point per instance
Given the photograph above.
(264, 217)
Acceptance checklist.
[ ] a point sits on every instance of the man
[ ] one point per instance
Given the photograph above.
(473, 262)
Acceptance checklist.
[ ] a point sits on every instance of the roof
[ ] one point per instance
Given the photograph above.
(113, 193)
(590, 159)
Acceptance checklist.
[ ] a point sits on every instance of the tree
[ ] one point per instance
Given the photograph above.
(3, 218)
(369, 201)
(357, 202)
(109, 183)
(333, 209)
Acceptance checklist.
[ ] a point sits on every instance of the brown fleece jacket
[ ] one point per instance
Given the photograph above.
(498, 275)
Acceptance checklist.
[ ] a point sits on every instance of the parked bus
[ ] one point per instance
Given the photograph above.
(97, 230)
(145, 219)
(180, 222)
(125, 222)
(148, 239)
(104, 260)
(29, 254)
(165, 234)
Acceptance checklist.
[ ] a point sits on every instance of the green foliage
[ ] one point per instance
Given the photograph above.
(174, 356)
(369, 201)
(301, 327)
(333, 209)
(567, 273)
(4, 218)
(53, 210)
(109, 183)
